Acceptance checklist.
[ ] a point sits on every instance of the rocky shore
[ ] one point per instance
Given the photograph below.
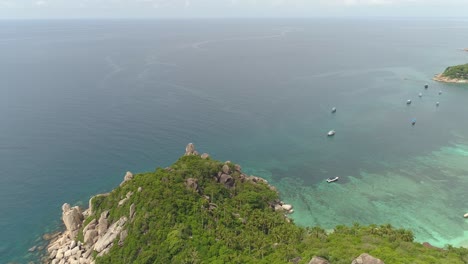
(441, 78)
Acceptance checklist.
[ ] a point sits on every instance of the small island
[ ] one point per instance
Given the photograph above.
(454, 74)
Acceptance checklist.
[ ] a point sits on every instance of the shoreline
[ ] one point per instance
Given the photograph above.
(441, 78)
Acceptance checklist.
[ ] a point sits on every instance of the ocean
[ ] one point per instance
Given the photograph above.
(84, 101)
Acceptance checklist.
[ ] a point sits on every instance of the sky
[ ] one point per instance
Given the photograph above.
(19, 9)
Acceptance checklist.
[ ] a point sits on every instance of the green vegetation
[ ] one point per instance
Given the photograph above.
(457, 72)
(176, 224)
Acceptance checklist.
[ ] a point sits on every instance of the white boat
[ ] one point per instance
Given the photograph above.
(420, 94)
(440, 92)
(332, 179)
(437, 104)
(408, 102)
(331, 133)
(333, 109)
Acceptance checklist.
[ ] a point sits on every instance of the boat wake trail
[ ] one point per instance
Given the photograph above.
(282, 33)
(115, 69)
(152, 61)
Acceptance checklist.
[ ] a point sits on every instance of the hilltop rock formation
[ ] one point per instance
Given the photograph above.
(190, 150)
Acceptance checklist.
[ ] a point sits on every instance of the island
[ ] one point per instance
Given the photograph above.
(453, 74)
(200, 210)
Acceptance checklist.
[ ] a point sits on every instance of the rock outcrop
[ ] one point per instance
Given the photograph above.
(365, 258)
(227, 180)
(128, 176)
(190, 150)
(111, 234)
(226, 169)
(103, 224)
(72, 218)
(318, 260)
(97, 235)
(192, 184)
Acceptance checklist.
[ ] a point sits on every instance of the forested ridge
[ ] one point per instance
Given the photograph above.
(200, 210)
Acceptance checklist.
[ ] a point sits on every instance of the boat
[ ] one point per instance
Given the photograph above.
(426, 86)
(331, 133)
(440, 92)
(437, 103)
(465, 215)
(333, 109)
(420, 94)
(408, 102)
(413, 122)
(332, 179)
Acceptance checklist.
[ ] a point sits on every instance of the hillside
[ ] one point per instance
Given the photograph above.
(200, 210)
(454, 74)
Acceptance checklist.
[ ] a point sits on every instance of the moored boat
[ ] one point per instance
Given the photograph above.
(332, 179)
(331, 133)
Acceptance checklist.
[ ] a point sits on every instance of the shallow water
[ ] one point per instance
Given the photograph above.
(82, 102)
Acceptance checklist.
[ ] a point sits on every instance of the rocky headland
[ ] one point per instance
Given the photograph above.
(215, 206)
(99, 235)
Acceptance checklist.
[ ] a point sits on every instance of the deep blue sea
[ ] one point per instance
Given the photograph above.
(82, 102)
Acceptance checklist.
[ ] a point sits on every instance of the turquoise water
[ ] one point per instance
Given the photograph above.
(82, 102)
